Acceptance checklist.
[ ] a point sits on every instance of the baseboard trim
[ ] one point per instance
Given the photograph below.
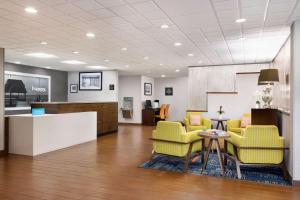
(3, 153)
(195, 110)
(136, 124)
(296, 183)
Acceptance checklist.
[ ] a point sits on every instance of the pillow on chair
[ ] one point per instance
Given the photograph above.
(195, 120)
(245, 121)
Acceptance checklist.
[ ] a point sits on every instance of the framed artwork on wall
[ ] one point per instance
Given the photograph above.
(90, 80)
(111, 87)
(147, 89)
(169, 91)
(73, 88)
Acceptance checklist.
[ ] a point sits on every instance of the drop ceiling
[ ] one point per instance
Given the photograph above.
(205, 28)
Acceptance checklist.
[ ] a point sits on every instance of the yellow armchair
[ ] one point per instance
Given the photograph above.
(260, 145)
(235, 125)
(204, 124)
(170, 138)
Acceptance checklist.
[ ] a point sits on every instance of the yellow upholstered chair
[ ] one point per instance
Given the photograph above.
(170, 138)
(260, 145)
(235, 125)
(204, 124)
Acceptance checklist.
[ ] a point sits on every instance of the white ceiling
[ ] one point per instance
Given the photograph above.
(205, 28)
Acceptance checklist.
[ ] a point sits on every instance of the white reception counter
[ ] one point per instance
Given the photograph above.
(34, 135)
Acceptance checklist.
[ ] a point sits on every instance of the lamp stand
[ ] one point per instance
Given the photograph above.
(267, 96)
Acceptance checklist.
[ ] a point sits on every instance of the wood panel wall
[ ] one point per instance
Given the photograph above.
(282, 90)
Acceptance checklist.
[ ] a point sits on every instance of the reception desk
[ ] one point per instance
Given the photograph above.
(107, 112)
(34, 135)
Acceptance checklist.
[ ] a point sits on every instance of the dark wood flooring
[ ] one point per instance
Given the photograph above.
(107, 169)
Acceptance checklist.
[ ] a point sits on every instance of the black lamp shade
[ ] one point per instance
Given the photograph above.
(263, 83)
(268, 76)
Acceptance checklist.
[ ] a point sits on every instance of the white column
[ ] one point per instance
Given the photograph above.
(1, 99)
(295, 97)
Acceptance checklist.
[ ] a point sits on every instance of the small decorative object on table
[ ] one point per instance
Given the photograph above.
(221, 112)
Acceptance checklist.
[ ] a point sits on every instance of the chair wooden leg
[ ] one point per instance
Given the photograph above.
(186, 163)
(237, 163)
(238, 169)
(187, 158)
(284, 170)
(152, 155)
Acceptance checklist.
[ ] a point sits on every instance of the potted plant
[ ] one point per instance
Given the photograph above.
(221, 112)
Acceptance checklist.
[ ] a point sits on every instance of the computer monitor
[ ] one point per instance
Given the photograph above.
(148, 104)
(156, 103)
(38, 111)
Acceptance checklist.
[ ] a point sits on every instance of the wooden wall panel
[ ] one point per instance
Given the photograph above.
(282, 89)
(215, 79)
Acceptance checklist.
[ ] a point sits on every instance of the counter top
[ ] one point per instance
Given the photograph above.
(71, 102)
(46, 115)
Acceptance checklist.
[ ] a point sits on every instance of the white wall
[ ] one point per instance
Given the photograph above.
(106, 95)
(295, 105)
(235, 104)
(130, 86)
(178, 102)
(1, 99)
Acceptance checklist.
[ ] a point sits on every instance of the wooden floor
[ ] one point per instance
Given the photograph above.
(107, 169)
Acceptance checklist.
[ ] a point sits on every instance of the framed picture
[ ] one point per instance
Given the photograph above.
(169, 91)
(90, 80)
(147, 89)
(111, 87)
(73, 88)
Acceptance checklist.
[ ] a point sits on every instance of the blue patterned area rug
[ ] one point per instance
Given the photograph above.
(267, 175)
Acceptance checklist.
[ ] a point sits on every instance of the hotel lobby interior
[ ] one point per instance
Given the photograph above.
(149, 99)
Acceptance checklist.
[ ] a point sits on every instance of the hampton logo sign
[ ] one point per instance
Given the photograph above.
(38, 89)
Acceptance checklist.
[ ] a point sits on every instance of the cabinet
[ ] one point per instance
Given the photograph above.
(266, 117)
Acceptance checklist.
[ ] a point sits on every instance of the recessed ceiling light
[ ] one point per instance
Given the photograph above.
(190, 54)
(96, 67)
(164, 26)
(241, 20)
(41, 55)
(17, 62)
(200, 62)
(177, 44)
(90, 35)
(124, 49)
(242, 38)
(146, 58)
(163, 76)
(48, 67)
(31, 10)
(160, 64)
(73, 62)
(76, 52)
(106, 60)
(177, 70)
(127, 66)
(44, 43)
